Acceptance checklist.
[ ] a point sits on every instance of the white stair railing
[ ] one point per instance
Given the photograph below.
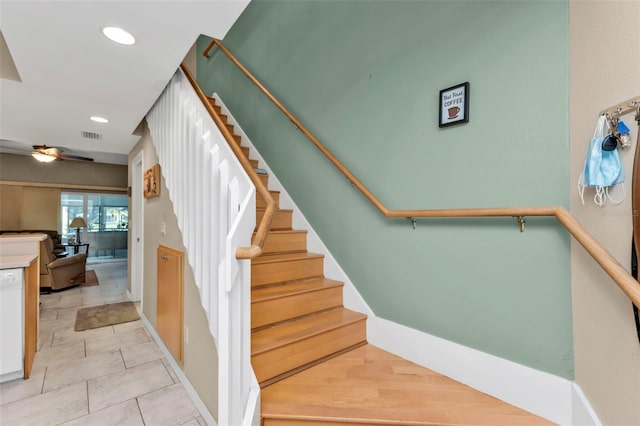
(214, 202)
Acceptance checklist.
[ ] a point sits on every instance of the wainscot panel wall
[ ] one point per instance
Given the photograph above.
(365, 77)
(200, 354)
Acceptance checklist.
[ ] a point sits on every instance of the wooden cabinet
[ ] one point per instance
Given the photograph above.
(31, 302)
(170, 309)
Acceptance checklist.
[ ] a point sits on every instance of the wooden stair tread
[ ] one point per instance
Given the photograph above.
(285, 241)
(287, 231)
(262, 294)
(303, 328)
(272, 258)
(370, 386)
(263, 209)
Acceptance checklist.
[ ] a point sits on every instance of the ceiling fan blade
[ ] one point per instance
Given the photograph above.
(72, 157)
(47, 150)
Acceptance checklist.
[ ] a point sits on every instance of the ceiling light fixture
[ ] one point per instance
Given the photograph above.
(43, 158)
(98, 119)
(118, 35)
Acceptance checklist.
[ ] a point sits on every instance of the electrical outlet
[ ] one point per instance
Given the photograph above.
(186, 334)
(163, 229)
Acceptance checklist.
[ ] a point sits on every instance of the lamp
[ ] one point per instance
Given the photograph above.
(43, 158)
(78, 223)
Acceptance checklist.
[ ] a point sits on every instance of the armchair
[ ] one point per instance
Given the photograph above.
(61, 273)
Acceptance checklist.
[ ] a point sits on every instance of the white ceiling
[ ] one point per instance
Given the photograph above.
(70, 71)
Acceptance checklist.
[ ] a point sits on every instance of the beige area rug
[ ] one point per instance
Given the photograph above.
(104, 315)
(90, 279)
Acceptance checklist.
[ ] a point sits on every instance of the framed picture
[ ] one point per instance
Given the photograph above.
(152, 182)
(454, 105)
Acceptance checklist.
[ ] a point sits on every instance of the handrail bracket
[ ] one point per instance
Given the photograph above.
(413, 221)
(521, 222)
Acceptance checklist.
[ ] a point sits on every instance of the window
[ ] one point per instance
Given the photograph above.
(105, 215)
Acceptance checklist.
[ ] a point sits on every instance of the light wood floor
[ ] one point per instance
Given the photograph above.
(370, 386)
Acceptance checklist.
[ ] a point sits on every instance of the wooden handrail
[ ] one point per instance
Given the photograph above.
(255, 249)
(611, 266)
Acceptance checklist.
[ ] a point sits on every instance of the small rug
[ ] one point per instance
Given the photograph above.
(90, 279)
(104, 315)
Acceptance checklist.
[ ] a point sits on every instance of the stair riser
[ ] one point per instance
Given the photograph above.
(285, 308)
(280, 360)
(264, 179)
(254, 164)
(245, 151)
(289, 242)
(260, 203)
(281, 220)
(277, 272)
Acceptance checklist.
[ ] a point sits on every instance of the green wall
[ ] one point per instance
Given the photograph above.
(364, 77)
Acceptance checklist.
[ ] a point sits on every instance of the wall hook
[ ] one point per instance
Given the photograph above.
(521, 222)
(413, 221)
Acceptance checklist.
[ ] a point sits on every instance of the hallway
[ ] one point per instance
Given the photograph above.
(113, 375)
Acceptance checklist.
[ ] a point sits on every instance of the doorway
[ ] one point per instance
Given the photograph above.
(136, 228)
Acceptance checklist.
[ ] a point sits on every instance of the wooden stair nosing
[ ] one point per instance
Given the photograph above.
(260, 202)
(285, 257)
(308, 365)
(282, 218)
(326, 321)
(274, 305)
(276, 291)
(286, 357)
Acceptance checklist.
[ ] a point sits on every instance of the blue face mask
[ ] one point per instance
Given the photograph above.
(602, 168)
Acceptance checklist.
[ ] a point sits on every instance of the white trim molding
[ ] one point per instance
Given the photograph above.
(532, 390)
(583, 413)
(188, 387)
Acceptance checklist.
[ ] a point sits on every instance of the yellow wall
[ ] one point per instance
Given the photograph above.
(29, 208)
(30, 191)
(604, 71)
(24, 168)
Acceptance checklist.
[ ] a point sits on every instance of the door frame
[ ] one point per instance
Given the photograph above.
(137, 228)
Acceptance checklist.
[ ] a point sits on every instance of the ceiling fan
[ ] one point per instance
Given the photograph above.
(46, 154)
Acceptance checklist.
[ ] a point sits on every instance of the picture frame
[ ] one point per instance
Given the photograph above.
(152, 181)
(454, 105)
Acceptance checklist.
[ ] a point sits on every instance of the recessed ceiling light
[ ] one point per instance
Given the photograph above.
(118, 35)
(98, 119)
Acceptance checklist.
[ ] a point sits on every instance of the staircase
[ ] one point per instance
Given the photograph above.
(310, 354)
(297, 317)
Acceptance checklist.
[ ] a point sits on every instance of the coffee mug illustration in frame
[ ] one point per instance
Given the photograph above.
(454, 105)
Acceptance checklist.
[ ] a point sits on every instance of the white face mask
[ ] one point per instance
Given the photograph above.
(602, 168)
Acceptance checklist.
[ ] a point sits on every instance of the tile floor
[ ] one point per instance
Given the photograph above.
(112, 375)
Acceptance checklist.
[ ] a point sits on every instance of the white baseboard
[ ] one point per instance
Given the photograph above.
(532, 390)
(538, 392)
(188, 387)
(583, 413)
